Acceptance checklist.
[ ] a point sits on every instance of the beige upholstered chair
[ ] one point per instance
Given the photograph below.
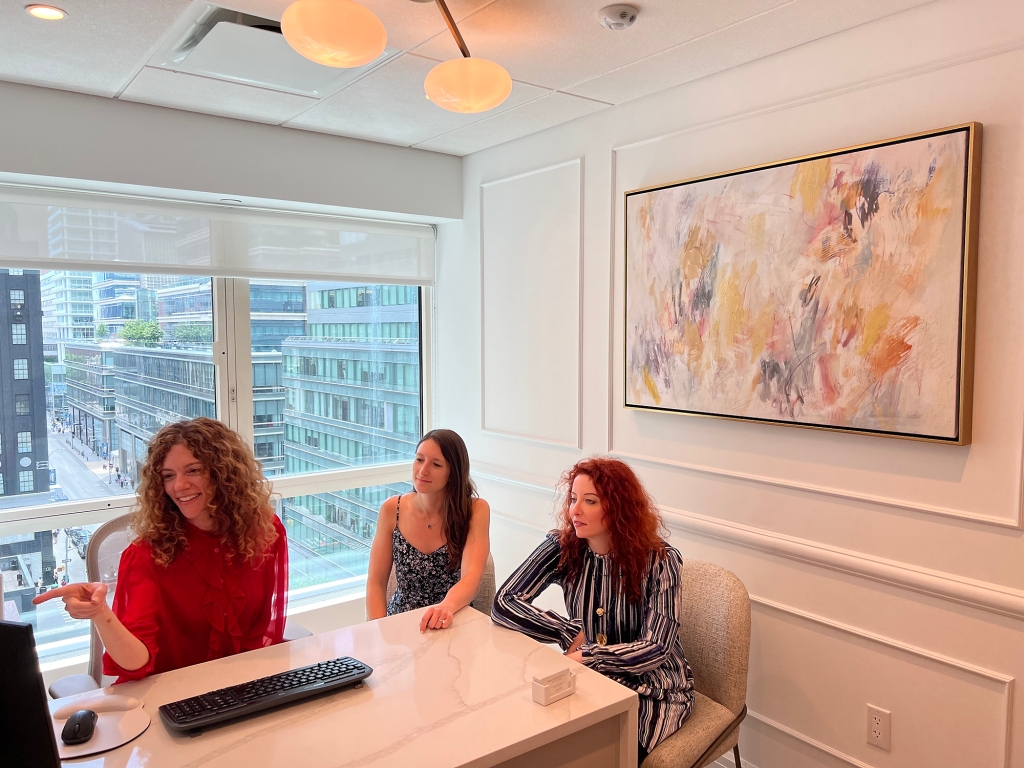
(102, 557)
(715, 632)
(484, 597)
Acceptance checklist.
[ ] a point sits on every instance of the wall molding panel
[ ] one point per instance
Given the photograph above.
(984, 595)
(1005, 681)
(1015, 522)
(557, 286)
(1014, 519)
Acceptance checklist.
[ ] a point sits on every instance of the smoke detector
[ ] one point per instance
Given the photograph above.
(618, 17)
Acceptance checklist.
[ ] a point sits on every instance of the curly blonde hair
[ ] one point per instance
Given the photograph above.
(240, 500)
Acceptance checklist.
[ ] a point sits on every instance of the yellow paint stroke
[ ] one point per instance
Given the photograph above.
(808, 182)
(756, 230)
(694, 345)
(651, 386)
(696, 253)
(874, 324)
(731, 315)
(761, 328)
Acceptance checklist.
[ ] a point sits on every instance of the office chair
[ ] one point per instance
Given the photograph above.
(484, 597)
(102, 557)
(715, 632)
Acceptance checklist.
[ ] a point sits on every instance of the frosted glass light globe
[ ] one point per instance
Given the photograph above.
(336, 33)
(468, 85)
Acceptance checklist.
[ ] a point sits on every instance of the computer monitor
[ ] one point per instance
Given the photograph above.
(26, 731)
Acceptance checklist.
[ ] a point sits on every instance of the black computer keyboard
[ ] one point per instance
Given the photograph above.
(247, 698)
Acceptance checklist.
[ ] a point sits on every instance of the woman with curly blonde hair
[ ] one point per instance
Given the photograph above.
(206, 575)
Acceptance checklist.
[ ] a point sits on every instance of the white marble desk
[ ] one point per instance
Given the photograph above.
(456, 697)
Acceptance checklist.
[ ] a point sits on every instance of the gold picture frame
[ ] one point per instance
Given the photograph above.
(819, 291)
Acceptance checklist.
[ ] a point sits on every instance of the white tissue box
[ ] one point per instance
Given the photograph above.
(551, 688)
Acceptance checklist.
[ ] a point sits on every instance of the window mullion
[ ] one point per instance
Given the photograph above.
(241, 360)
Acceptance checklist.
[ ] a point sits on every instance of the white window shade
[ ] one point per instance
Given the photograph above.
(104, 230)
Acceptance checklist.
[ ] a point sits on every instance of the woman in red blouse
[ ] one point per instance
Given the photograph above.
(207, 575)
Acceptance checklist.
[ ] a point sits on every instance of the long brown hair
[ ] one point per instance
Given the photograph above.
(239, 503)
(459, 492)
(632, 519)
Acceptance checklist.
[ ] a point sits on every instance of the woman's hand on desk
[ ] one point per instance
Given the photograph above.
(438, 616)
(82, 601)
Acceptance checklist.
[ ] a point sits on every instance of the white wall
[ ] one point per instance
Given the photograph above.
(881, 570)
(51, 133)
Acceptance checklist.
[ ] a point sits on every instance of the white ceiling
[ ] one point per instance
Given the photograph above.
(564, 64)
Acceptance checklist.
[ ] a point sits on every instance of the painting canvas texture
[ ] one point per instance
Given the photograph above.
(824, 292)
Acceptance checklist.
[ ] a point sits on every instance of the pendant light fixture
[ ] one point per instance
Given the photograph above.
(466, 85)
(336, 33)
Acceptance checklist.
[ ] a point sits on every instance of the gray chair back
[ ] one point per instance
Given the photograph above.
(715, 632)
(102, 557)
(484, 597)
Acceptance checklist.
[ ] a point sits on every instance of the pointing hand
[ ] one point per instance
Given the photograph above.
(82, 600)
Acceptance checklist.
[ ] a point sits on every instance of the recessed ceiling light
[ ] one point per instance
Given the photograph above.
(48, 12)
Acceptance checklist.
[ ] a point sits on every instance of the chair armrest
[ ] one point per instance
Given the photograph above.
(69, 685)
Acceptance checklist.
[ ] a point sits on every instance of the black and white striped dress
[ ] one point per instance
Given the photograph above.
(636, 644)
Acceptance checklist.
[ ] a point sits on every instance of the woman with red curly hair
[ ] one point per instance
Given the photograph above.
(207, 573)
(621, 583)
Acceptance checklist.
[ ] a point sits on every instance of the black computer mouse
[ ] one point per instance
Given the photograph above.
(79, 727)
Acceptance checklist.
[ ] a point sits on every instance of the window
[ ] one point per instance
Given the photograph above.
(330, 536)
(351, 381)
(15, 271)
(1, 485)
(335, 380)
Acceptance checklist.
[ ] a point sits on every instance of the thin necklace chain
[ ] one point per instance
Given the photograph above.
(429, 525)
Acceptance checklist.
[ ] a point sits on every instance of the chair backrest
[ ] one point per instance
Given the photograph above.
(102, 556)
(715, 632)
(484, 596)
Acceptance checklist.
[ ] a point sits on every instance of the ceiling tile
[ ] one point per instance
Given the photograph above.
(546, 112)
(215, 97)
(555, 44)
(795, 23)
(389, 105)
(407, 23)
(96, 49)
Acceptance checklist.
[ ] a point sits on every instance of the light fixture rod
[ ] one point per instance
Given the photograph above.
(455, 30)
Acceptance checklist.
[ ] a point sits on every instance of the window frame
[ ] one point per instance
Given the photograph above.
(232, 359)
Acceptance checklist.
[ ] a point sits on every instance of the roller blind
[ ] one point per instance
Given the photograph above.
(45, 227)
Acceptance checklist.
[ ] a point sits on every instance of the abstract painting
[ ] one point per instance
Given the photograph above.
(831, 291)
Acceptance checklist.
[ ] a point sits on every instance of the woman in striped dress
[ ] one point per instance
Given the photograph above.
(622, 590)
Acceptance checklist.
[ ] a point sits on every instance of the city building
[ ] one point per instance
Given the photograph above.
(56, 387)
(67, 308)
(353, 389)
(24, 467)
(89, 381)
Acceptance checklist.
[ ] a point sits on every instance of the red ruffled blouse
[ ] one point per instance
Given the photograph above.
(205, 605)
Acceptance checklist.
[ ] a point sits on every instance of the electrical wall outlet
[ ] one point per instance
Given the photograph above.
(879, 727)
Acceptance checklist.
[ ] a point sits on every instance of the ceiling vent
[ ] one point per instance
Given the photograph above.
(618, 17)
(215, 42)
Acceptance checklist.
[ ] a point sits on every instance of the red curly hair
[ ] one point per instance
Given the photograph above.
(632, 518)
